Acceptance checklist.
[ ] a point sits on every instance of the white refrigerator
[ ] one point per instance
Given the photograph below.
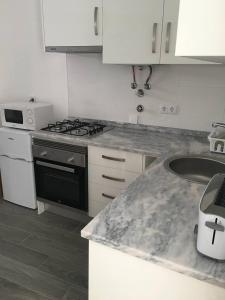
(17, 169)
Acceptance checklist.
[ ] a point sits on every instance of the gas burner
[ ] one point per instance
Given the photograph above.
(57, 127)
(79, 132)
(77, 128)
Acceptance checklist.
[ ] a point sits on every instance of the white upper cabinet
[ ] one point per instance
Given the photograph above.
(169, 36)
(136, 32)
(201, 29)
(132, 31)
(141, 32)
(72, 25)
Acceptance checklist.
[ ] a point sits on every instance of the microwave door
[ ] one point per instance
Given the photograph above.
(13, 116)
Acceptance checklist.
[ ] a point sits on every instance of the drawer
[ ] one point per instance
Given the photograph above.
(100, 196)
(116, 178)
(115, 159)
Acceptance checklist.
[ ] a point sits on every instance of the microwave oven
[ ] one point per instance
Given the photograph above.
(26, 115)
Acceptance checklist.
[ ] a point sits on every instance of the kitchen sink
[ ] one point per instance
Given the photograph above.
(194, 168)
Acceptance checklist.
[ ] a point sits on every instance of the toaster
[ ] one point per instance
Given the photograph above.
(211, 224)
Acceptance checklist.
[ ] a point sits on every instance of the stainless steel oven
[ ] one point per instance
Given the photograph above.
(61, 172)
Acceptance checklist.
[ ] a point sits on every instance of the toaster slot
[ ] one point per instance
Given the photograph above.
(220, 199)
(215, 227)
(214, 233)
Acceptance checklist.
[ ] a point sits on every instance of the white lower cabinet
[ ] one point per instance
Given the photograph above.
(109, 173)
(114, 275)
(100, 196)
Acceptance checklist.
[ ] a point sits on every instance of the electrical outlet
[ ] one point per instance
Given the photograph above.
(163, 109)
(169, 109)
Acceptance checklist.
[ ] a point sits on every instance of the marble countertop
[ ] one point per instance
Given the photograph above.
(154, 218)
(147, 142)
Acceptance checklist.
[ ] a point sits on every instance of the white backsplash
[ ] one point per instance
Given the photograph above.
(103, 91)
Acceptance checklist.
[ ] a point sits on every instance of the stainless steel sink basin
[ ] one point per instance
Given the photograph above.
(194, 168)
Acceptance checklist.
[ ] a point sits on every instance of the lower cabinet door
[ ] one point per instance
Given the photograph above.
(100, 196)
(18, 182)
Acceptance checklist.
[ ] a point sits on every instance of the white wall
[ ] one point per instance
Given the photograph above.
(25, 69)
(103, 91)
(97, 90)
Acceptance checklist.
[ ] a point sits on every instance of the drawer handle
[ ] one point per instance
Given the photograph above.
(113, 158)
(108, 196)
(113, 178)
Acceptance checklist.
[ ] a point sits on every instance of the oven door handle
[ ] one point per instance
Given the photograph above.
(54, 166)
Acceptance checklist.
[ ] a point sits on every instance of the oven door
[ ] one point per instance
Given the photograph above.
(61, 183)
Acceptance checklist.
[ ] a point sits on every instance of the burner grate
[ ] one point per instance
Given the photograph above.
(75, 128)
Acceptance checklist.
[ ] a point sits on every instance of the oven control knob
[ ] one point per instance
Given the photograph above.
(70, 160)
(44, 153)
(29, 112)
(30, 121)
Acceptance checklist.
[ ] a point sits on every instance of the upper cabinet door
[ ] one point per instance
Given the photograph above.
(74, 23)
(169, 36)
(201, 29)
(132, 31)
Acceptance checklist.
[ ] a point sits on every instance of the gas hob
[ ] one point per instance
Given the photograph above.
(77, 128)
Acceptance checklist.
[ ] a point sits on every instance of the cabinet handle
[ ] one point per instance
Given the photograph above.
(96, 20)
(108, 196)
(113, 178)
(113, 158)
(168, 34)
(54, 166)
(154, 37)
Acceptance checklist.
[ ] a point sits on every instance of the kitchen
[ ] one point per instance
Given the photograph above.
(131, 139)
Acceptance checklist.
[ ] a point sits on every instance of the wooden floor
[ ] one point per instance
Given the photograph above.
(41, 257)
